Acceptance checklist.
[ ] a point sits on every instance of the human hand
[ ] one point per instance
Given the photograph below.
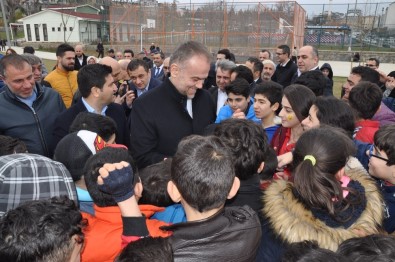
(130, 96)
(238, 114)
(390, 84)
(284, 159)
(116, 180)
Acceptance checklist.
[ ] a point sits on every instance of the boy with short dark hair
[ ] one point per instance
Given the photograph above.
(365, 99)
(239, 103)
(248, 144)
(267, 104)
(382, 166)
(202, 179)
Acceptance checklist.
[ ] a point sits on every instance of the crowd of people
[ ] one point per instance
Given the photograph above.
(195, 157)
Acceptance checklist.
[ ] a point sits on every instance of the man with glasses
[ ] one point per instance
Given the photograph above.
(285, 69)
(373, 63)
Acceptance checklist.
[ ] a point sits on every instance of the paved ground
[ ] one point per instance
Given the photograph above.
(339, 68)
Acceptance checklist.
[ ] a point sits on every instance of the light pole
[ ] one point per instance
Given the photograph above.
(141, 35)
(5, 22)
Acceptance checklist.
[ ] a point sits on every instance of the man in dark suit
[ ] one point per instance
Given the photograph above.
(80, 58)
(224, 70)
(140, 77)
(285, 69)
(256, 67)
(157, 69)
(97, 88)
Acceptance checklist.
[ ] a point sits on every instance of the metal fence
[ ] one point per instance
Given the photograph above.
(242, 27)
(247, 27)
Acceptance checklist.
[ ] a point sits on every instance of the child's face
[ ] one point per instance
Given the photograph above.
(378, 164)
(238, 102)
(288, 116)
(311, 121)
(262, 107)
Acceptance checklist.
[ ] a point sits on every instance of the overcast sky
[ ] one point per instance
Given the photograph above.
(311, 6)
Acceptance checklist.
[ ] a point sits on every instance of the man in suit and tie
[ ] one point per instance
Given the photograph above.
(140, 77)
(218, 93)
(157, 69)
(80, 57)
(256, 67)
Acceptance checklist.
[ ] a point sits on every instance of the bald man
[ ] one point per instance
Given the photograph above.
(80, 58)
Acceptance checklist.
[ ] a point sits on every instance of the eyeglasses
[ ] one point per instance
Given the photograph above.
(280, 53)
(370, 65)
(374, 155)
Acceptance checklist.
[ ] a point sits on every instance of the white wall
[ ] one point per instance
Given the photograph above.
(390, 17)
(53, 21)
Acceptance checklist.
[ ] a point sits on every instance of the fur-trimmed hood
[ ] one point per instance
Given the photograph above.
(292, 222)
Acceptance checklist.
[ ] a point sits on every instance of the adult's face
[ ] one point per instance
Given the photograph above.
(20, 81)
(119, 56)
(189, 75)
(352, 80)
(222, 78)
(37, 73)
(128, 55)
(281, 56)
(264, 56)
(106, 94)
(158, 61)
(268, 72)
(140, 77)
(220, 57)
(306, 59)
(66, 62)
(166, 66)
(78, 50)
(372, 64)
(250, 66)
(91, 61)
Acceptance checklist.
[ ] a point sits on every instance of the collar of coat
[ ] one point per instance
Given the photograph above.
(292, 222)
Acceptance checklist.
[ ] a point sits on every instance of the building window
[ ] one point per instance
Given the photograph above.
(53, 29)
(29, 32)
(45, 32)
(37, 32)
(58, 29)
(70, 29)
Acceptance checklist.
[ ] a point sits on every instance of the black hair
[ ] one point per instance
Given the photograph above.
(203, 172)
(162, 55)
(309, 251)
(247, 141)
(63, 48)
(272, 91)
(376, 60)
(239, 86)
(91, 173)
(257, 64)
(41, 230)
(243, 72)
(314, 80)
(104, 126)
(384, 139)
(315, 183)
(154, 179)
(10, 145)
(147, 249)
(365, 98)
(270, 167)
(300, 98)
(285, 48)
(366, 74)
(136, 63)
(93, 75)
(225, 52)
(369, 248)
(335, 112)
(129, 51)
(28, 50)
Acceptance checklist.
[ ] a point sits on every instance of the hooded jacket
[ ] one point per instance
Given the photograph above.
(288, 221)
